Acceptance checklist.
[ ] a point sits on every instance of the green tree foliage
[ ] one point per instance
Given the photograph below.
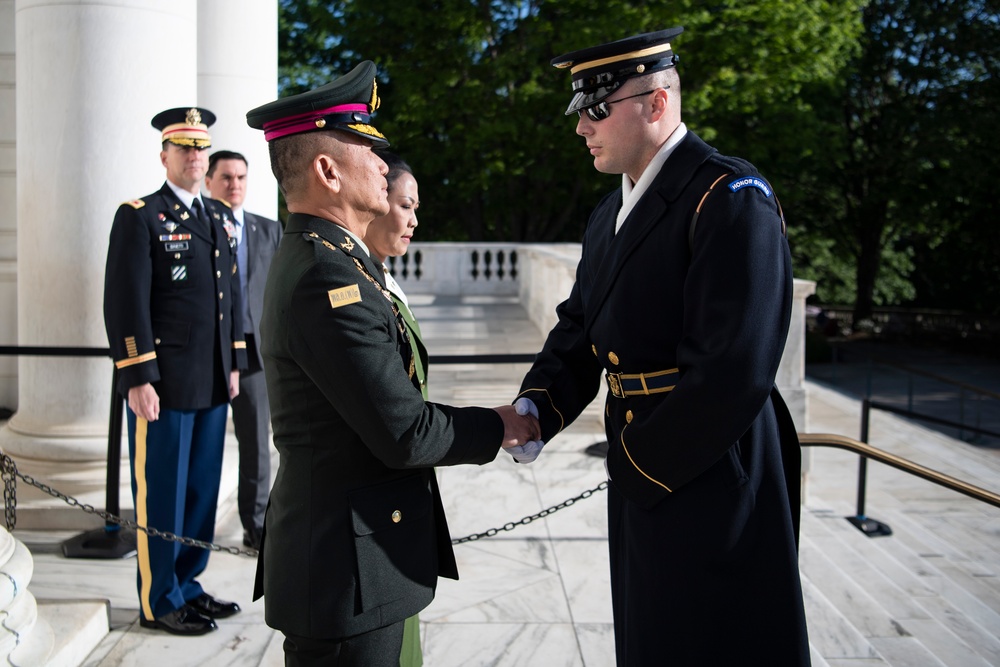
(469, 97)
(897, 183)
(873, 119)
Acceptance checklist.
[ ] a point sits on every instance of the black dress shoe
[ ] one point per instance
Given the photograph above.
(251, 538)
(206, 605)
(183, 621)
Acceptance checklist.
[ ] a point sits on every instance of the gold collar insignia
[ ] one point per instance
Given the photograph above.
(348, 244)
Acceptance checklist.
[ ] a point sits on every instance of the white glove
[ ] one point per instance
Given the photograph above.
(530, 450)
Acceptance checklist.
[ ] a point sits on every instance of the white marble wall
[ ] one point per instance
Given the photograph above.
(447, 269)
(90, 77)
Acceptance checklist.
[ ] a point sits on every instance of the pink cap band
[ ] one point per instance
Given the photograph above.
(304, 122)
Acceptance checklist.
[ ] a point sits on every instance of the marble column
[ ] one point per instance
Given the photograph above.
(91, 75)
(8, 203)
(792, 370)
(237, 71)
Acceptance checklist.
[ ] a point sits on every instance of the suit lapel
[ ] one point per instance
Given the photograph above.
(250, 238)
(222, 222)
(674, 176)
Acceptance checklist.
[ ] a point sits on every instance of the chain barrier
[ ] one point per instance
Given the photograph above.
(528, 519)
(9, 472)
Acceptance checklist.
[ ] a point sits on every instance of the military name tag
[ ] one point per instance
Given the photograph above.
(344, 295)
(175, 247)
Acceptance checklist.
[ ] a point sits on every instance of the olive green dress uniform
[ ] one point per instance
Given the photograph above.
(411, 654)
(687, 324)
(355, 535)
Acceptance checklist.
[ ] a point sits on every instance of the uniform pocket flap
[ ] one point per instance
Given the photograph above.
(171, 332)
(391, 505)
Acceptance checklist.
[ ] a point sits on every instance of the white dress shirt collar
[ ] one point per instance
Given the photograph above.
(187, 198)
(631, 194)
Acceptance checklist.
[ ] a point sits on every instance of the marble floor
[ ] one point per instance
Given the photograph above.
(539, 594)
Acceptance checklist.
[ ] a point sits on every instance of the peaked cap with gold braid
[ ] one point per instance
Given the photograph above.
(185, 126)
(346, 103)
(600, 70)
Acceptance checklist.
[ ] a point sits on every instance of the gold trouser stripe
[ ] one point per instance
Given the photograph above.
(132, 361)
(239, 345)
(141, 516)
(634, 464)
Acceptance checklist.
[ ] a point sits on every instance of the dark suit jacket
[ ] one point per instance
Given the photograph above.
(354, 537)
(172, 300)
(261, 236)
(708, 457)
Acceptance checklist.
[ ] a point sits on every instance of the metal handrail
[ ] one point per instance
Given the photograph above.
(882, 456)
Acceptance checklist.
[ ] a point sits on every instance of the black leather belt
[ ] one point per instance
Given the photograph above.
(621, 385)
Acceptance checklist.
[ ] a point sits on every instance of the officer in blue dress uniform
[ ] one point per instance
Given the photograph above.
(171, 300)
(682, 302)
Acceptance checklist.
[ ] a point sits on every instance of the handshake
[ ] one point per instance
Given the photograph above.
(522, 434)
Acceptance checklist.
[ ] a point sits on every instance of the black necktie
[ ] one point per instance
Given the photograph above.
(200, 213)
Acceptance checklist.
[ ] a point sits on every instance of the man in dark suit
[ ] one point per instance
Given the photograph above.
(256, 240)
(171, 301)
(682, 299)
(355, 535)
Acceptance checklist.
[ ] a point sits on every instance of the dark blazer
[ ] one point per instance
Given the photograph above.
(354, 536)
(707, 454)
(261, 236)
(171, 300)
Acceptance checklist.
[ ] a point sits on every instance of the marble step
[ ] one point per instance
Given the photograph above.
(938, 621)
(844, 620)
(873, 605)
(965, 598)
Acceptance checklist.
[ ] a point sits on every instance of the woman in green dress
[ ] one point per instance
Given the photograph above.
(389, 236)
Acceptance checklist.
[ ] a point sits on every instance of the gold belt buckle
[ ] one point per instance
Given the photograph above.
(615, 385)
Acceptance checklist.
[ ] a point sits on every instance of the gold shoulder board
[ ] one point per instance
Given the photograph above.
(135, 203)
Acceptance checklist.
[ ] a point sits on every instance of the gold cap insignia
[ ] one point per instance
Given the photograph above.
(374, 104)
(193, 117)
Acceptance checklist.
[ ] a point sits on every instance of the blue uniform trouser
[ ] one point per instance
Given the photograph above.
(176, 464)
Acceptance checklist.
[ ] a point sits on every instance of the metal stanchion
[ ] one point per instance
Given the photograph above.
(867, 525)
(111, 541)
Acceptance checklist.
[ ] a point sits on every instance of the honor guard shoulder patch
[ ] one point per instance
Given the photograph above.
(135, 203)
(750, 182)
(344, 295)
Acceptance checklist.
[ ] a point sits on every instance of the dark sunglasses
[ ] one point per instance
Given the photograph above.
(602, 109)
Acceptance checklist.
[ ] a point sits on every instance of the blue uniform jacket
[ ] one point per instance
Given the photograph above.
(172, 301)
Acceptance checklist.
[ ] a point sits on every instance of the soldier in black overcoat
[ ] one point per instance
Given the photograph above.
(170, 297)
(355, 535)
(682, 302)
